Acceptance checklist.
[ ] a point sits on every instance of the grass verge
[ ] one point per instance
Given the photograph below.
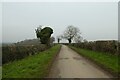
(0, 72)
(106, 61)
(36, 66)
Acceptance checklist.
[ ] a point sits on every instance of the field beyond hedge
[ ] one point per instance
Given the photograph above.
(108, 61)
(35, 66)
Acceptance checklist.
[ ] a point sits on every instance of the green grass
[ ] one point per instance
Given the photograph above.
(0, 72)
(35, 66)
(108, 61)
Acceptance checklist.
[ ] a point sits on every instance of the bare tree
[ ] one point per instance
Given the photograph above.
(38, 30)
(71, 32)
(78, 39)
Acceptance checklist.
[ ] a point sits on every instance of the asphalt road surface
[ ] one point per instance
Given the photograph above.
(69, 64)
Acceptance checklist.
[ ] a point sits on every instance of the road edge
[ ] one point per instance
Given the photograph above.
(53, 59)
(114, 75)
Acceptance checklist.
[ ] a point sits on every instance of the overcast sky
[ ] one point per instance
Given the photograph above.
(96, 20)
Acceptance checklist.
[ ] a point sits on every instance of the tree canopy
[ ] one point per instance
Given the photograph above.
(44, 34)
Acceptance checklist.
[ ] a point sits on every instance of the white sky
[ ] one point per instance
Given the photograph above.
(96, 20)
(60, 0)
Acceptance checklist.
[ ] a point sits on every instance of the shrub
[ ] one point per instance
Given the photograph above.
(102, 46)
(15, 52)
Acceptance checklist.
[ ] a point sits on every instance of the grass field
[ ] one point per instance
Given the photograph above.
(36, 66)
(0, 72)
(108, 61)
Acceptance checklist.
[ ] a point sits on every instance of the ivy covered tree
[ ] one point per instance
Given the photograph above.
(44, 34)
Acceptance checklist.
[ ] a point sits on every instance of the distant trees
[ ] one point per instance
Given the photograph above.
(44, 34)
(71, 33)
(59, 38)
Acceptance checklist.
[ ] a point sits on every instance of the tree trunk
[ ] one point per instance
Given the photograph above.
(69, 40)
(58, 41)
